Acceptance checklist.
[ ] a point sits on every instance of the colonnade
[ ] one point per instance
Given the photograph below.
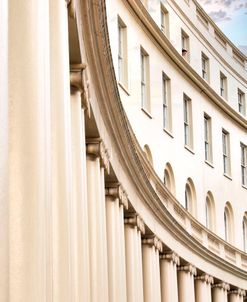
(127, 263)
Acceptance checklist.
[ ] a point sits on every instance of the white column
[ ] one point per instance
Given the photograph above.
(97, 161)
(151, 247)
(219, 292)
(79, 210)
(64, 266)
(186, 290)
(4, 198)
(115, 197)
(203, 288)
(28, 181)
(134, 227)
(236, 295)
(168, 274)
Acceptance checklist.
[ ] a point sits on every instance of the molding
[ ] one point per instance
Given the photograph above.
(79, 83)
(171, 257)
(117, 191)
(239, 292)
(205, 278)
(153, 241)
(134, 220)
(223, 285)
(188, 268)
(96, 148)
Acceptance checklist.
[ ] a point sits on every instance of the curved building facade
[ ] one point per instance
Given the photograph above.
(123, 153)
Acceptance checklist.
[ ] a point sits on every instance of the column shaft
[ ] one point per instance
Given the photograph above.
(168, 275)
(79, 199)
(186, 291)
(29, 196)
(64, 270)
(151, 271)
(203, 288)
(134, 276)
(219, 292)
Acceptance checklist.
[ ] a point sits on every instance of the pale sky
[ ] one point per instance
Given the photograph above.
(231, 17)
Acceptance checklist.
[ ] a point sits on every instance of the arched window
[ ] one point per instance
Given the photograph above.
(228, 223)
(190, 197)
(169, 181)
(244, 226)
(210, 212)
(148, 154)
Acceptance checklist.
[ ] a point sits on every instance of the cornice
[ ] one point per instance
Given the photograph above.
(164, 43)
(94, 33)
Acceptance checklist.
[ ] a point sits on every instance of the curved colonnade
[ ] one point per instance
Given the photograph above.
(87, 217)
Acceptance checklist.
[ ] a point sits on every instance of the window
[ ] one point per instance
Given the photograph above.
(207, 138)
(228, 223)
(244, 226)
(167, 114)
(185, 45)
(164, 20)
(243, 164)
(169, 181)
(223, 85)
(241, 102)
(190, 197)
(226, 152)
(210, 211)
(205, 67)
(122, 53)
(145, 103)
(188, 139)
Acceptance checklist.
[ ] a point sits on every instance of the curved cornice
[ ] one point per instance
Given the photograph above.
(93, 32)
(166, 46)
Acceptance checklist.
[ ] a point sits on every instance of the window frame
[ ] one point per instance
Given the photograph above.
(241, 102)
(188, 124)
(164, 20)
(166, 103)
(122, 53)
(226, 152)
(208, 155)
(223, 86)
(205, 67)
(243, 149)
(185, 45)
(145, 82)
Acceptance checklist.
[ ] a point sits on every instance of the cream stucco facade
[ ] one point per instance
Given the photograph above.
(123, 153)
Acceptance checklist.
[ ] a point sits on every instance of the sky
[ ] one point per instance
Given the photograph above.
(231, 17)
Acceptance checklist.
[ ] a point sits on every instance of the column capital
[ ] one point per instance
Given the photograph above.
(225, 286)
(188, 268)
(171, 256)
(206, 278)
(96, 148)
(135, 220)
(116, 190)
(153, 241)
(238, 291)
(79, 83)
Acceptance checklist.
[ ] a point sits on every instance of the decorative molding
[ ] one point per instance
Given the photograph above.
(240, 292)
(96, 147)
(153, 241)
(188, 268)
(171, 256)
(135, 220)
(206, 278)
(79, 83)
(225, 286)
(116, 190)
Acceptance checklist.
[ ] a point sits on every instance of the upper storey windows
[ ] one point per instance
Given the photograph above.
(226, 152)
(188, 136)
(241, 102)
(145, 89)
(122, 53)
(223, 86)
(166, 95)
(164, 20)
(205, 67)
(243, 164)
(185, 45)
(207, 139)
